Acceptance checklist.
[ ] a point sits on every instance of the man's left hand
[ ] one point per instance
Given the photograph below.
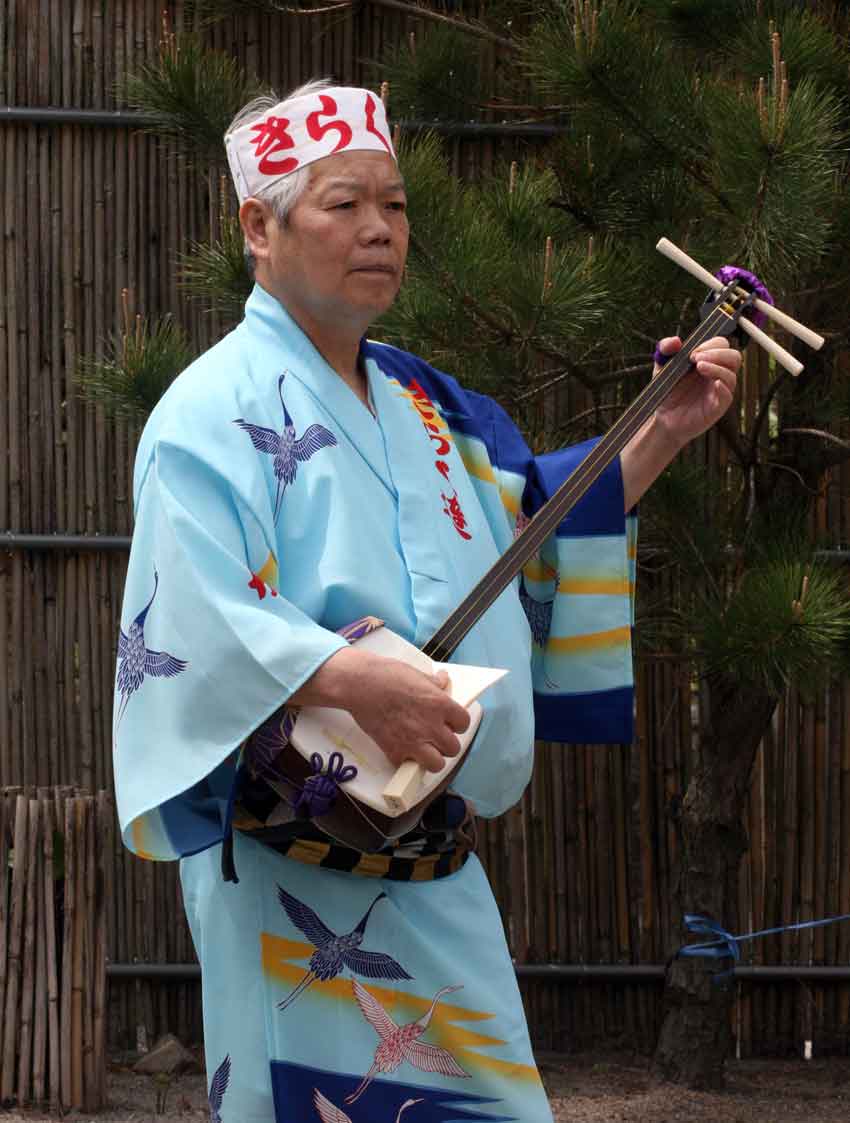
(704, 394)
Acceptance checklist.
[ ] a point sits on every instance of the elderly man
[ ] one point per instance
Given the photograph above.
(293, 479)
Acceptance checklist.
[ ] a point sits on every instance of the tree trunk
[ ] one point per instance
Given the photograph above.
(696, 1034)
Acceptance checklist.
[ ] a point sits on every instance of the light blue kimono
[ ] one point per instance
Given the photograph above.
(273, 508)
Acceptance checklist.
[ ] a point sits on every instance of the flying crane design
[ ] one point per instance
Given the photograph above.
(333, 953)
(137, 661)
(218, 1086)
(328, 1113)
(401, 1043)
(286, 448)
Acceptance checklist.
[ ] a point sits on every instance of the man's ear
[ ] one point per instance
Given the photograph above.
(256, 219)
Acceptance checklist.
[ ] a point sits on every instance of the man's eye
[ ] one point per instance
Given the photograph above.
(397, 206)
(340, 206)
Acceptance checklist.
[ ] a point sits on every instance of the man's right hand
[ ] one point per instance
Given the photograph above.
(407, 713)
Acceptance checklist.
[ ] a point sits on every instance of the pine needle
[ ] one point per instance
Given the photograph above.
(140, 364)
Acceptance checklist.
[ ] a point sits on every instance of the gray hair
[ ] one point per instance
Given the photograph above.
(283, 195)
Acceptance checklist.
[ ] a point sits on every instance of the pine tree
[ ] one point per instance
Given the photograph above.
(723, 125)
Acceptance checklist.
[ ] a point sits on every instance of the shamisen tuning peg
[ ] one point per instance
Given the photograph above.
(736, 299)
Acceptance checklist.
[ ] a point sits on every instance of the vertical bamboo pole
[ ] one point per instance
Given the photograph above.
(5, 804)
(39, 1068)
(844, 865)
(14, 950)
(104, 831)
(790, 871)
(48, 818)
(78, 954)
(28, 961)
(87, 842)
(66, 1021)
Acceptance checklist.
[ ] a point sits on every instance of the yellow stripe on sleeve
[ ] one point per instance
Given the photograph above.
(593, 641)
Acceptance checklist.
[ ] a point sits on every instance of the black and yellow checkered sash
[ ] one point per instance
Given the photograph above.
(434, 850)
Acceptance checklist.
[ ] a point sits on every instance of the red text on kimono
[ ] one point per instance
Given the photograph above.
(272, 138)
(452, 509)
(438, 432)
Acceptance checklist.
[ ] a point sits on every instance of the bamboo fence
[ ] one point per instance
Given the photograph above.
(54, 878)
(583, 867)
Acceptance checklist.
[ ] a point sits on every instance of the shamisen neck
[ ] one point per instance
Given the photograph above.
(452, 631)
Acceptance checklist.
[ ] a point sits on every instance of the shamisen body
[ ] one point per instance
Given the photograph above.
(297, 478)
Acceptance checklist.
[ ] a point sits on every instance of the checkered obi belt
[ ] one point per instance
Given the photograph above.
(438, 847)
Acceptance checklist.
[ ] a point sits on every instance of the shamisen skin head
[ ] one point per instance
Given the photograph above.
(322, 206)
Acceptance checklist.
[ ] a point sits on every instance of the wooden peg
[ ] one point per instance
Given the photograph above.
(794, 366)
(402, 790)
(783, 357)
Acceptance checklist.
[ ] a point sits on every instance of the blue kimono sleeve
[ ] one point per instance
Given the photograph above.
(208, 650)
(578, 592)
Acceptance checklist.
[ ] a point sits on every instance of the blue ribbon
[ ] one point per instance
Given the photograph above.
(726, 946)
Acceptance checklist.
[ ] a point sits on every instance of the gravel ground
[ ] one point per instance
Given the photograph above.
(583, 1088)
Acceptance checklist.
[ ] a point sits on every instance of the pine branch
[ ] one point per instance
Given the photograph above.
(826, 460)
(636, 123)
(507, 334)
(191, 92)
(467, 26)
(140, 364)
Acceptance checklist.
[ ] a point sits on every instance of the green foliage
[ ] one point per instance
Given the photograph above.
(674, 122)
(192, 93)
(479, 293)
(139, 366)
(216, 273)
(436, 78)
(771, 633)
(780, 177)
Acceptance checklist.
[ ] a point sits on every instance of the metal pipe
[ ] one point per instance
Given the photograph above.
(44, 115)
(131, 119)
(10, 540)
(556, 972)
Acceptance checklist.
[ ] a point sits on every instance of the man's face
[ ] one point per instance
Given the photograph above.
(340, 257)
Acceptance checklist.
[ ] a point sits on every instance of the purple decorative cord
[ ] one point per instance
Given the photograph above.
(726, 274)
(320, 790)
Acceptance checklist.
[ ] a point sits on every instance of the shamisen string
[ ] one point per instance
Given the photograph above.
(301, 130)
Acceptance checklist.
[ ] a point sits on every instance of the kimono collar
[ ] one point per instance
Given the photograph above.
(270, 324)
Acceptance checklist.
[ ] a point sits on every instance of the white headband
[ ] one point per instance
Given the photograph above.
(302, 130)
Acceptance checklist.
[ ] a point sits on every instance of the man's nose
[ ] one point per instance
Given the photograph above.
(375, 226)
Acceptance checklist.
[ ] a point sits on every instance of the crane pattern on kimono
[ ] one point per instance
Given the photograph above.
(329, 1113)
(287, 449)
(539, 613)
(218, 1086)
(136, 661)
(334, 953)
(401, 1043)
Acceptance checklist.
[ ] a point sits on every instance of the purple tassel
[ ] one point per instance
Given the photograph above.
(321, 790)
